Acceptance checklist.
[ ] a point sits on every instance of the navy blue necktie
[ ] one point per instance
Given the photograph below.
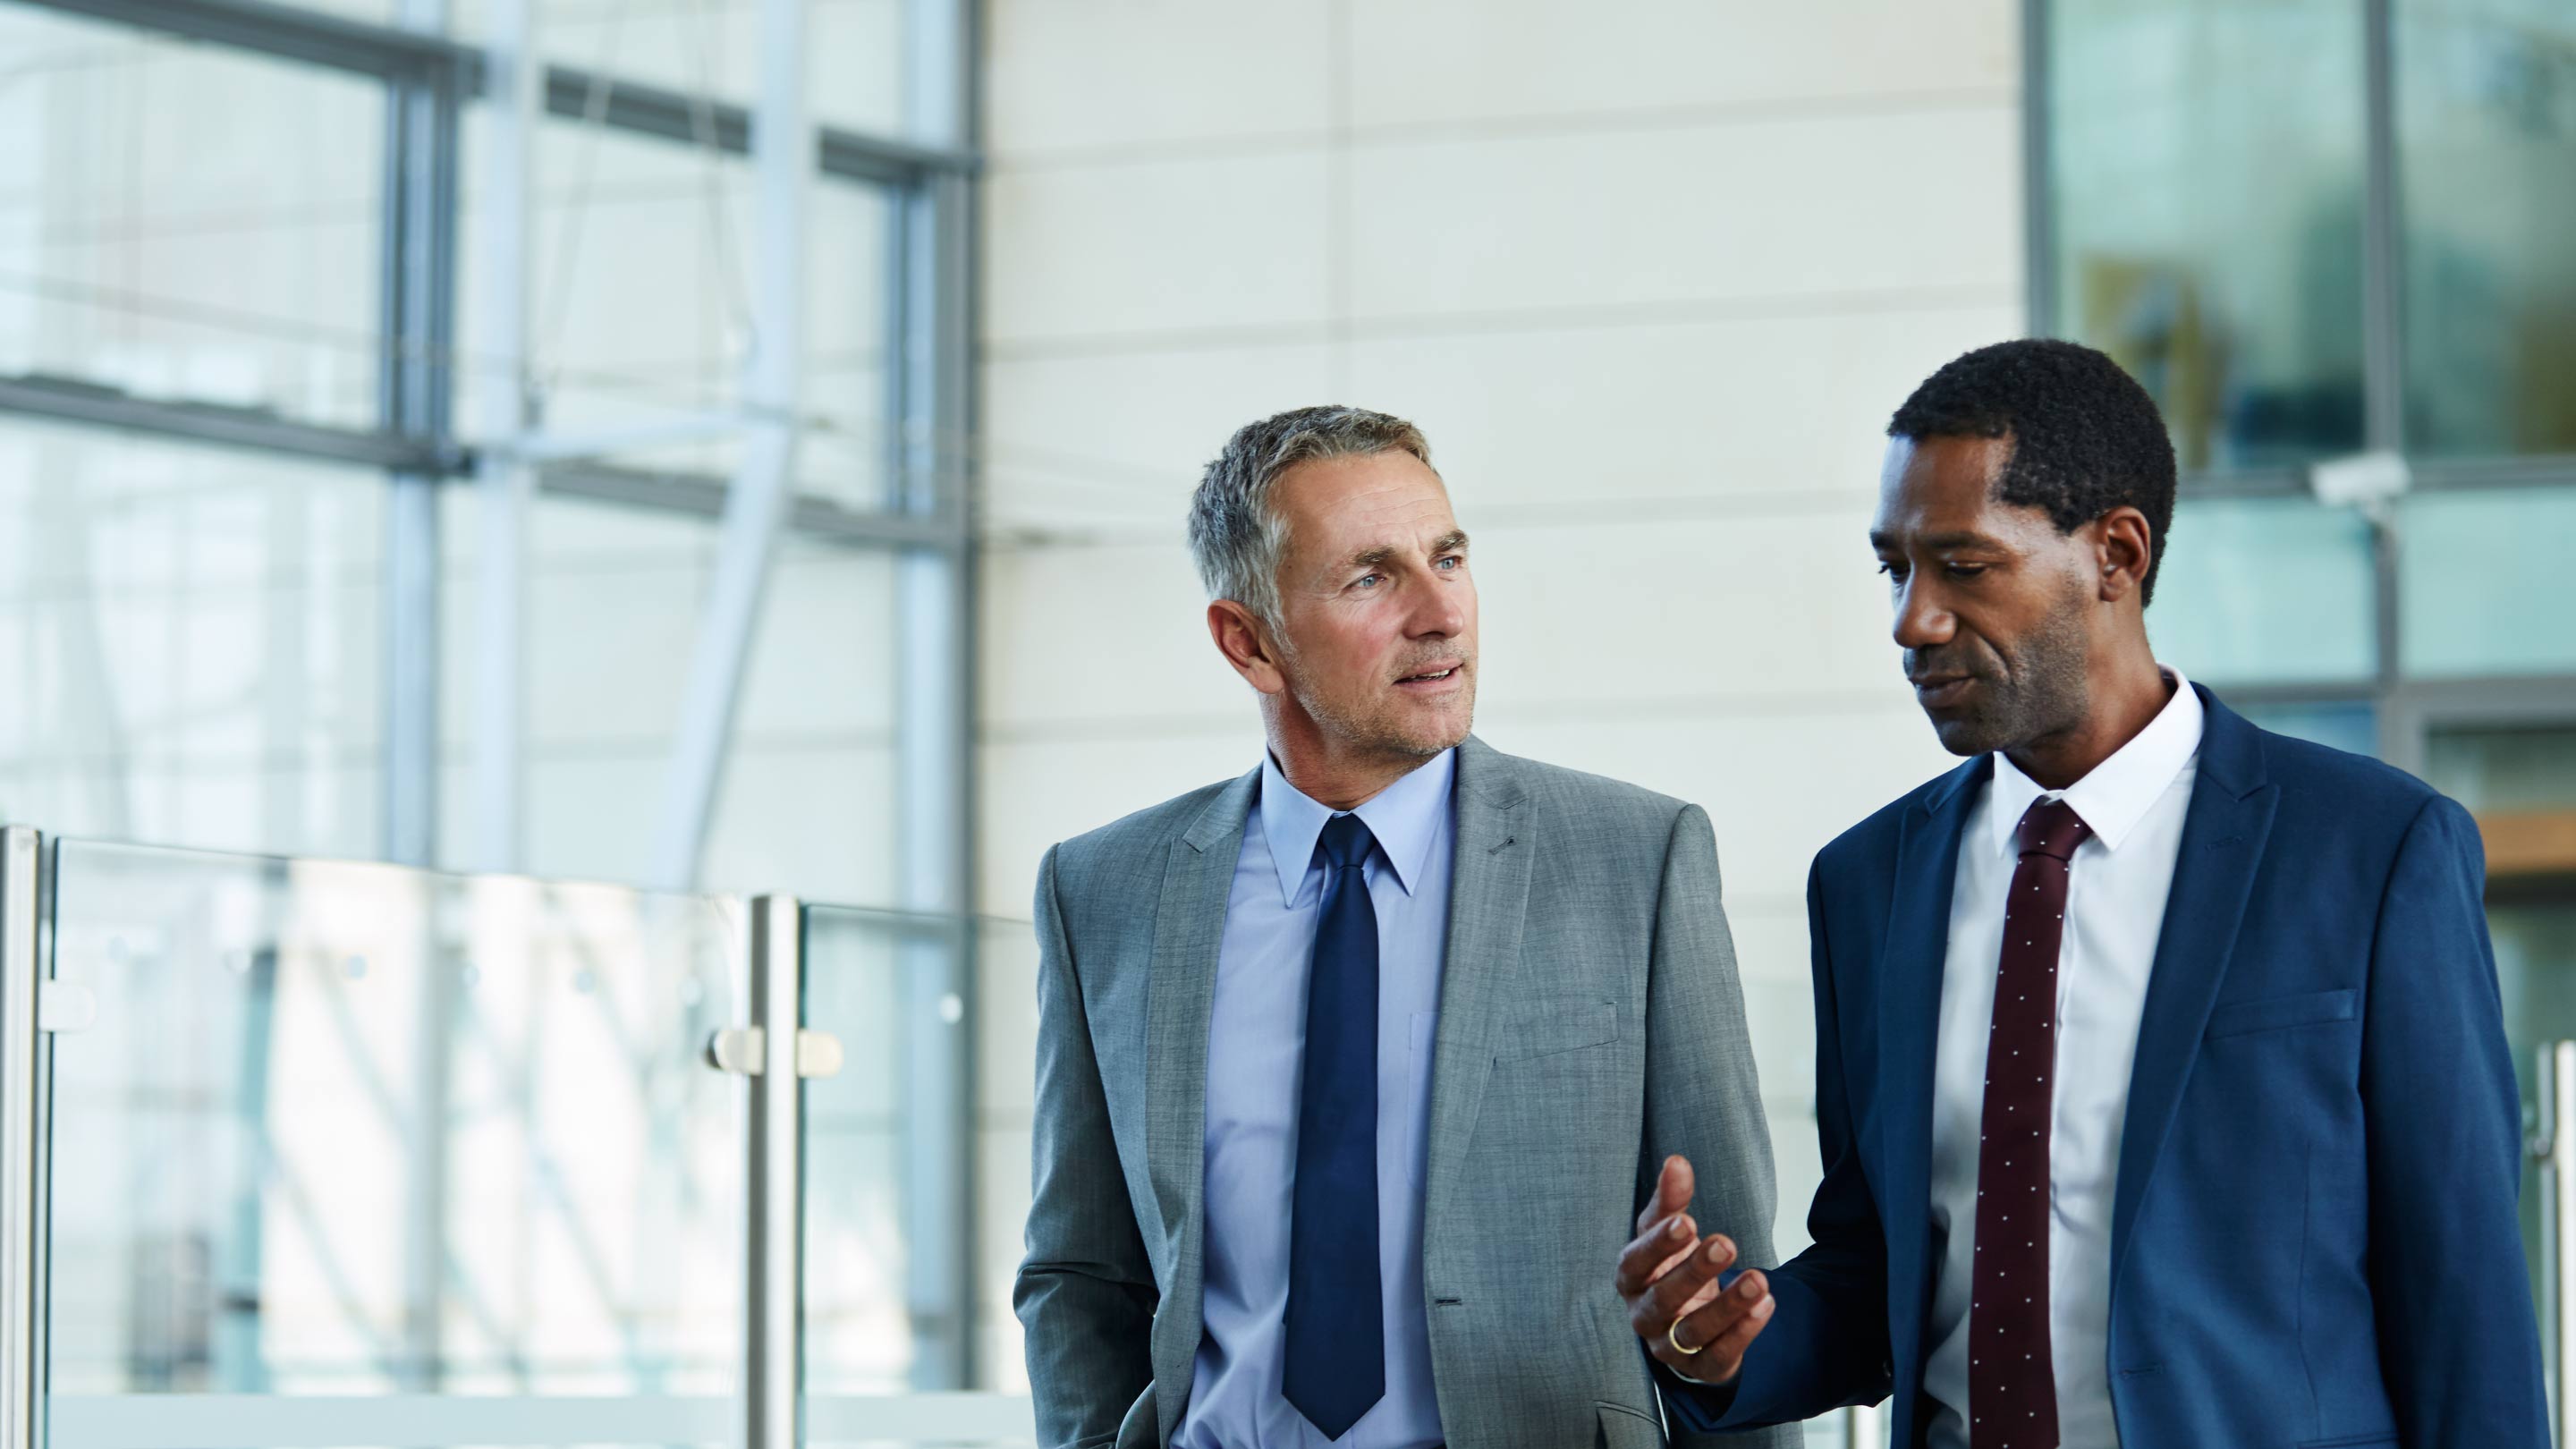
(1336, 1324)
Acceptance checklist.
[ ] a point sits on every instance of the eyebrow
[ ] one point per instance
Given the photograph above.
(1369, 558)
(1938, 542)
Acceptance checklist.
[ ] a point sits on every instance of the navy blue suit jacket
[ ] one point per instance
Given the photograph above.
(2314, 1234)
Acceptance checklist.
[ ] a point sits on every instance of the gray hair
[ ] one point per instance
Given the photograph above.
(1236, 536)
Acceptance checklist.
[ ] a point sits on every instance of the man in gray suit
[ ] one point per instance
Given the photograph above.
(1353, 1070)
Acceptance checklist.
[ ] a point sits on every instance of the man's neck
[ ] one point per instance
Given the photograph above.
(2121, 706)
(1331, 772)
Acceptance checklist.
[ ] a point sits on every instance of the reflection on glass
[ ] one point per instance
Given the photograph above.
(1006, 1042)
(878, 1142)
(2521, 783)
(184, 221)
(2351, 726)
(352, 1129)
(2206, 168)
(2266, 591)
(2481, 580)
(2505, 769)
(614, 600)
(855, 50)
(2486, 133)
(640, 284)
(192, 643)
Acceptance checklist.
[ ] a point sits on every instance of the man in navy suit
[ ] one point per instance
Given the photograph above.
(2160, 1072)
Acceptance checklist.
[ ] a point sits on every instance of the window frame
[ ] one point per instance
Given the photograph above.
(2406, 707)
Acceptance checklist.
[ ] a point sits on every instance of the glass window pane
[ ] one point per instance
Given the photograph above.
(855, 49)
(2266, 591)
(2521, 783)
(343, 1129)
(2206, 173)
(2486, 131)
(640, 287)
(2482, 580)
(193, 643)
(2505, 769)
(2351, 726)
(187, 221)
(614, 601)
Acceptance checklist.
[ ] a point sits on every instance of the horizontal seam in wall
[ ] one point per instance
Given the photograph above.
(1571, 317)
(146, 760)
(1604, 712)
(1006, 162)
(1131, 532)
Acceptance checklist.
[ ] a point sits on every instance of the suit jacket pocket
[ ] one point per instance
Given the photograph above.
(1546, 1028)
(1624, 1428)
(2280, 1013)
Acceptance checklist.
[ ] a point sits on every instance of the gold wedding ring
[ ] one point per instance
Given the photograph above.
(1673, 1336)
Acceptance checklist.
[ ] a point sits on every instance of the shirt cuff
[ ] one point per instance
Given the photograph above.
(1699, 1405)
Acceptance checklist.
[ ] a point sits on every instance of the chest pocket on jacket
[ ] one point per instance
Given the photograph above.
(2280, 1013)
(1545, 1028)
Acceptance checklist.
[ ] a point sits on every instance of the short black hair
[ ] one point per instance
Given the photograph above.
(2086, 438)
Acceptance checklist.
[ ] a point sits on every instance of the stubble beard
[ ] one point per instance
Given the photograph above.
(2043, 690)
(1378, 729)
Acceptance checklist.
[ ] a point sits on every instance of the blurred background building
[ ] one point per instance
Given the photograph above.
(733, 449)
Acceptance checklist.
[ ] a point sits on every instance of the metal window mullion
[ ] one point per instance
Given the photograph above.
(2383, 298)
(418, 270)
(22, 1138)
(287, 32)
(2039, 220)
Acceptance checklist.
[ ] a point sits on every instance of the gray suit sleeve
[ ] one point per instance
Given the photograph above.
(1085, 1294)
(1703, 1099)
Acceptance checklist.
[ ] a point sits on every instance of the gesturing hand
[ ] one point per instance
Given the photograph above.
(1668, 1275)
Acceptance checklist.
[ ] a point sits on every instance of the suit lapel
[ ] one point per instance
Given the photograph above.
(1488, 896)
(2222, 843)
(1189, 930)
(1911, 965)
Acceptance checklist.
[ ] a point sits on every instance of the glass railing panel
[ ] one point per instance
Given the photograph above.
(884, 1165)
(392, 1138)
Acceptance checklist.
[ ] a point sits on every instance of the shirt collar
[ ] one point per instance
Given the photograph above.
(2120, 790)
(1405, 817)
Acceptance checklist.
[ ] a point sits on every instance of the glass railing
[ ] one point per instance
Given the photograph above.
(303, 1154)
(332, 1154)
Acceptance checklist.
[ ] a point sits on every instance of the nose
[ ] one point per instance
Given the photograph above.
(1441, 610)
(1921, 621)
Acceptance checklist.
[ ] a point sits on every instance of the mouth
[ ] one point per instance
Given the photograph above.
(1942, 691)
(1433, 681)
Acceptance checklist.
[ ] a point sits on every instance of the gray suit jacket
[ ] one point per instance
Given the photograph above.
(1590, 1024)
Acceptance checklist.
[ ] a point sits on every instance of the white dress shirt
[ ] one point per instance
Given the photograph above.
(2134, 802)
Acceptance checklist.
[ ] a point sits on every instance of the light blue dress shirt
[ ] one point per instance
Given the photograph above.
(1256, 1043)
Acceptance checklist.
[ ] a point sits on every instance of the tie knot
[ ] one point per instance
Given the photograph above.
(2051, 827)
(1346, 841)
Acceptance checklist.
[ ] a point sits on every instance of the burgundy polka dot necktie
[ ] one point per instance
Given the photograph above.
(2012, 1384)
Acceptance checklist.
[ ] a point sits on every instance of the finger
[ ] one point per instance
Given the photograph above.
(1650, 1254)
(1672, 1193)
(1703, 1327)
(1728, 1337)
(1673, 1292)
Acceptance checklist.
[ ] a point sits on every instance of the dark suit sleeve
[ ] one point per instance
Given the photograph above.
(1085, 1293)
(1703, 1097)
(2458, 1344)
(1826, 1345)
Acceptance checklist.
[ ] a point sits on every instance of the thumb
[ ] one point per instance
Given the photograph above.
(1674, 1185)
